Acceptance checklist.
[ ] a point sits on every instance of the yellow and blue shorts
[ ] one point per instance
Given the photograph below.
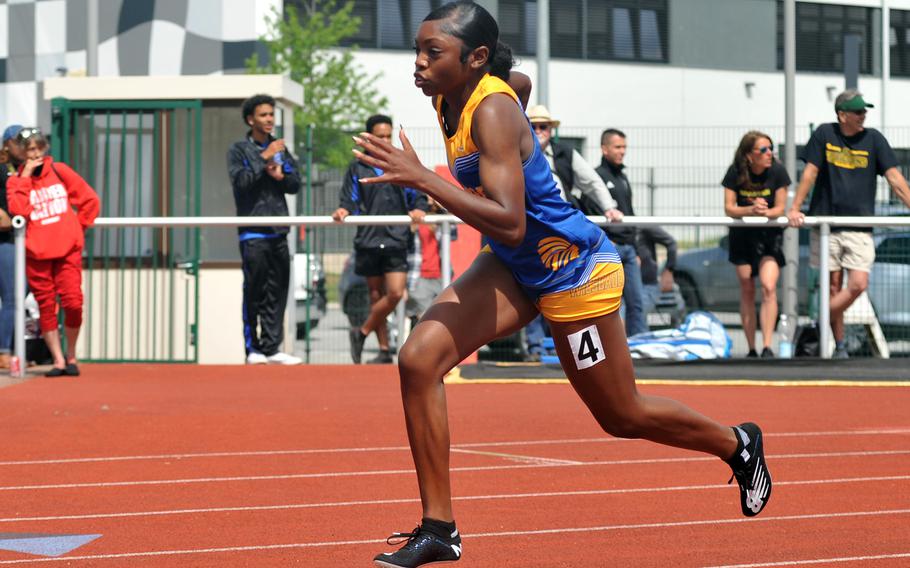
(595, 289)
(598, 294)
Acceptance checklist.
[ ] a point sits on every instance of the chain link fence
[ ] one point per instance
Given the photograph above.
(673, 172)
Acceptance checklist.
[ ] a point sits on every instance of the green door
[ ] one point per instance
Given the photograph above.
(141, 285)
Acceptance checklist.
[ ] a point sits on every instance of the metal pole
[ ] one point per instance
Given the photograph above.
(851, 61)
(445, 254)
(19, 323)
(791, 236)
(91, 39)
(308, 235)
(652, 189)
(824, 292)
(543, 52)
(886, 59)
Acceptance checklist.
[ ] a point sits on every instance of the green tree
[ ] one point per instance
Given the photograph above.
(338, 95)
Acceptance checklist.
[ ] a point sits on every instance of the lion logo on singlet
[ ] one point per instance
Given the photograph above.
(556, 252)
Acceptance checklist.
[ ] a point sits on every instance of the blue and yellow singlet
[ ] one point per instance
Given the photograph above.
(565, 262)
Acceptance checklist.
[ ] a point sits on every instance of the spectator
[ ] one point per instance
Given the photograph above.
(380, 251)
(613, 146)
(425, 276)
(756, 185)
(578, 184)
(8, 161)
(577, 181)
(843, 159)
(45, 193)
(652, 285)
(262, 171)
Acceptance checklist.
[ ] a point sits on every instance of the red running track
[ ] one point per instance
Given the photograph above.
(236, 466)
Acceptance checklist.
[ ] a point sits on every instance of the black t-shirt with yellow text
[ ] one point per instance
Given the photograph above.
(847, 170)
(763, 185)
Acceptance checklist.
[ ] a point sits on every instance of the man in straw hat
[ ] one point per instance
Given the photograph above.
(577, 181)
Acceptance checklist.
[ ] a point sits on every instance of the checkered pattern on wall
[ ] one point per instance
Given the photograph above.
(47, 38)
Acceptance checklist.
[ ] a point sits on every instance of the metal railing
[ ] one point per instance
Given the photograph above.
(824, 224)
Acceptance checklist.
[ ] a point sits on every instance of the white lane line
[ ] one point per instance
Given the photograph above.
(466, 536)
(259, 453)
(374, 502)
(342, 474)
(517, 458)
(820, 561)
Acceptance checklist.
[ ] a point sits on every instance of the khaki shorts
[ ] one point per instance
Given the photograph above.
(853, 250)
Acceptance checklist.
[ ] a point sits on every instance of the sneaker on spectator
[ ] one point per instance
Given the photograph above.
(766, 353)
(840, 353)
(384, 358)
(256, 358)
(752, 354)
(357, 340)
(283, 359)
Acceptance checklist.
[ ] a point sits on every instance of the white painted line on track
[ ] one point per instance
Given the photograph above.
(820, 561)
(409, 471)
(261, 453)
(374, 502)
(516, 457)
(565, 530)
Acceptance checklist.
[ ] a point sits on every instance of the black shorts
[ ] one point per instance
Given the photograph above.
(379, 261)
(749, 246)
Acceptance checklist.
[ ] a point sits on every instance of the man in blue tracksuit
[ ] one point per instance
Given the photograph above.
(380, 251)
(262, 171)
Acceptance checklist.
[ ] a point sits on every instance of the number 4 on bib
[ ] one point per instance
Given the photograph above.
(586, 347)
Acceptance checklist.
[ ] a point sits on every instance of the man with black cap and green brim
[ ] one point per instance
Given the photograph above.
(842, 161)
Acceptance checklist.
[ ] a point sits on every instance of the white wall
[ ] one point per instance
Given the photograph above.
(597, 94)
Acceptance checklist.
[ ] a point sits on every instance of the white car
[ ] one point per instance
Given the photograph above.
(308, 290)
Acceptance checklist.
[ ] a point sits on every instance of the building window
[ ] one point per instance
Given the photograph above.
(518, 25)
(900, 43)
(820, 31)
(387, 24)
(621, 30)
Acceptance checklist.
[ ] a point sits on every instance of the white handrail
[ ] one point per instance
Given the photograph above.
(824, 222)
(638, 220)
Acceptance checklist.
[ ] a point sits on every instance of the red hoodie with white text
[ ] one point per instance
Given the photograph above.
(47, 202)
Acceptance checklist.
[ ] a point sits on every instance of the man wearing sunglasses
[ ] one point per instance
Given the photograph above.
(843, 160)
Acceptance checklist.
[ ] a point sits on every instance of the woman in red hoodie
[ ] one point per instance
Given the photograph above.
(45, 194)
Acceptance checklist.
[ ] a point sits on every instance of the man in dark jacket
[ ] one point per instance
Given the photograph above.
(613, 146)
(380, 251)
(262, 171)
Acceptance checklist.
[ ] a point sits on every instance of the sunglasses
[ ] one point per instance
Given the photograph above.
(27, 133)
(540, 126)
(765, 149)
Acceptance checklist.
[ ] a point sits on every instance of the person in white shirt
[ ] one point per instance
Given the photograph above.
(576, 179)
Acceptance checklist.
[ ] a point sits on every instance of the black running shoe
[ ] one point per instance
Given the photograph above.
(357, 341)
(421, 547)
(750, 470)
(384, 358)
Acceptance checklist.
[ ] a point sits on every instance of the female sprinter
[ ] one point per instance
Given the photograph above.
(756, 184)
(543, 256)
